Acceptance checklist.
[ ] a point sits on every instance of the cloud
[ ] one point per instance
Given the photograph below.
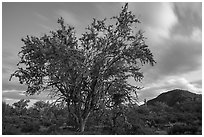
(14, 83)
(180, 57)
(198, 83)
(177, 54)
(20, 94)
(175, 57)
(9, 57)
(11, 101)
(196, 34)
(157, 19)
(167, 84)
(180, 53)
(173, 32)
(46, 27)
(155, 14)
(176, 48)
(12, 96)
(189, 16)
(183, 84)
(40, 16)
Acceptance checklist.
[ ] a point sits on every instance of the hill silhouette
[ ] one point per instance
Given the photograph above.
(175, 97)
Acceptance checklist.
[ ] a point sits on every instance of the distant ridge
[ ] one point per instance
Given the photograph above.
(174, 97)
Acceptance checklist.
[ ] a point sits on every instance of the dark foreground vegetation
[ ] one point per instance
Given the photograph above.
(183, 117)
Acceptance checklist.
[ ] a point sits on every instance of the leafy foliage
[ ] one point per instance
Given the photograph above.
(90, 72)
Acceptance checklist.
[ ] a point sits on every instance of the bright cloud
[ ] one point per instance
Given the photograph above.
(157, 19)
(169, 83)
(163, 21)
(181, 82)
(19, 94)
(196, 34)
(189, 17)
(11, 101)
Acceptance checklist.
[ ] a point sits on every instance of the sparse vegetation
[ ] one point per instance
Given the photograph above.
(143, 120)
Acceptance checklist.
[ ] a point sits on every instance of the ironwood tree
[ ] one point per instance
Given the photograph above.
(87, 73)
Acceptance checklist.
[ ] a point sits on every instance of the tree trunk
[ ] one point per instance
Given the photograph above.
(82, 123)
(82, 126)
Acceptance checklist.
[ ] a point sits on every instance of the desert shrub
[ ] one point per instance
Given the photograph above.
(46, 122)
(88, 133)
(179, 129)
(30, 126)
(143, 110)
(138, 129)
(9, 129)
(160, 120)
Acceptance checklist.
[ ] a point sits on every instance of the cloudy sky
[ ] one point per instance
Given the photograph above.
(173, 31)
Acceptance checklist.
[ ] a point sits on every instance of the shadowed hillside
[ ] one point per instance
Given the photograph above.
(176, 97)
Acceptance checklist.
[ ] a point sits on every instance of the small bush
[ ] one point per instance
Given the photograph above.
(9, 129)
(140, 130)
(30, 126)
(183, 129)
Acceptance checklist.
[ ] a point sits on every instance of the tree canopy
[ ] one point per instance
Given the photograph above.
(89, 72)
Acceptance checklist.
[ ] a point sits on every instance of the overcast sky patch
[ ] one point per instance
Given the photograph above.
(173, 32)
